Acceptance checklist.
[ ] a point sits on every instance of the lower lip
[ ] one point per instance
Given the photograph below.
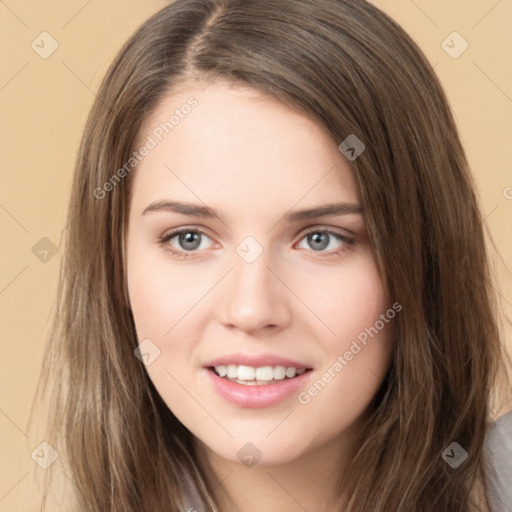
(256, 397)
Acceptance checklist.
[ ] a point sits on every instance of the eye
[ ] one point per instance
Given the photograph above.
(186, 240)
(321, 239)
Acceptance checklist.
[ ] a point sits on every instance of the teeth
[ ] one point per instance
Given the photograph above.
(279, 372)
(221, 370)
(246, 373)
(265, 373)
(290, 372)
(232, 371)
(250, 375)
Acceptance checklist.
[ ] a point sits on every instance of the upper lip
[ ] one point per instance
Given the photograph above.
(255, 361)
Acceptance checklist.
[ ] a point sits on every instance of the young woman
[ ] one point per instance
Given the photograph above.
(275, 293)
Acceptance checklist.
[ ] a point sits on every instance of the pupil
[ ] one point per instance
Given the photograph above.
(319, 240)
(189, 238)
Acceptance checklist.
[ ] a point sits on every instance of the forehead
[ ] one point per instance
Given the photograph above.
(234, 143)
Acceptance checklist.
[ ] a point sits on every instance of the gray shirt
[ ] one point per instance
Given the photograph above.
(498, 460)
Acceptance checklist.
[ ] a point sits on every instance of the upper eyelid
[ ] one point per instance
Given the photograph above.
(315, 229)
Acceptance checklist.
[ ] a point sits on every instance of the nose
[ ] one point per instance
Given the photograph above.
(253, 297)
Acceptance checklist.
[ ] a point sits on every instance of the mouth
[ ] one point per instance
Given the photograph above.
(256, 380)
(257, 376)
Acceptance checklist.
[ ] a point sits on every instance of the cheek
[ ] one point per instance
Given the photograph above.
(347, 301)
(161, 297)
(150, 300)
(161, 294)
(357, 361)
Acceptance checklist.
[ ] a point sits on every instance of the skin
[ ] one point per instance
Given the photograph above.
(254, 160)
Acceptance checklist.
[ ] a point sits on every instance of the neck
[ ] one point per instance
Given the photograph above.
(309, 482)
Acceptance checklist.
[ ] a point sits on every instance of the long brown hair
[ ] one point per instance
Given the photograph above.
(355, 71)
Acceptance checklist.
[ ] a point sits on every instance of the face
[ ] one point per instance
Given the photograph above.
(254, 289)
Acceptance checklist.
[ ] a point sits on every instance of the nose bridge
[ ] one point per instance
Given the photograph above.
(253, 296)
(250, 263)
(251, 278)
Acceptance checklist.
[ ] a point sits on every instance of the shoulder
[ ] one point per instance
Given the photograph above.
(498, 463)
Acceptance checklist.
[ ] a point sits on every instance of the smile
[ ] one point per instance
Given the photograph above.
(257, 376)
(256, 392)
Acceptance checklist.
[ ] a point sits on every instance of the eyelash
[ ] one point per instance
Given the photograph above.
(165, 238)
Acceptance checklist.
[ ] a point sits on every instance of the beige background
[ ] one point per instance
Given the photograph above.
(44, 102)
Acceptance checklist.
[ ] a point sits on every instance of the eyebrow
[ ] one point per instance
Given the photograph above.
(195, 210)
